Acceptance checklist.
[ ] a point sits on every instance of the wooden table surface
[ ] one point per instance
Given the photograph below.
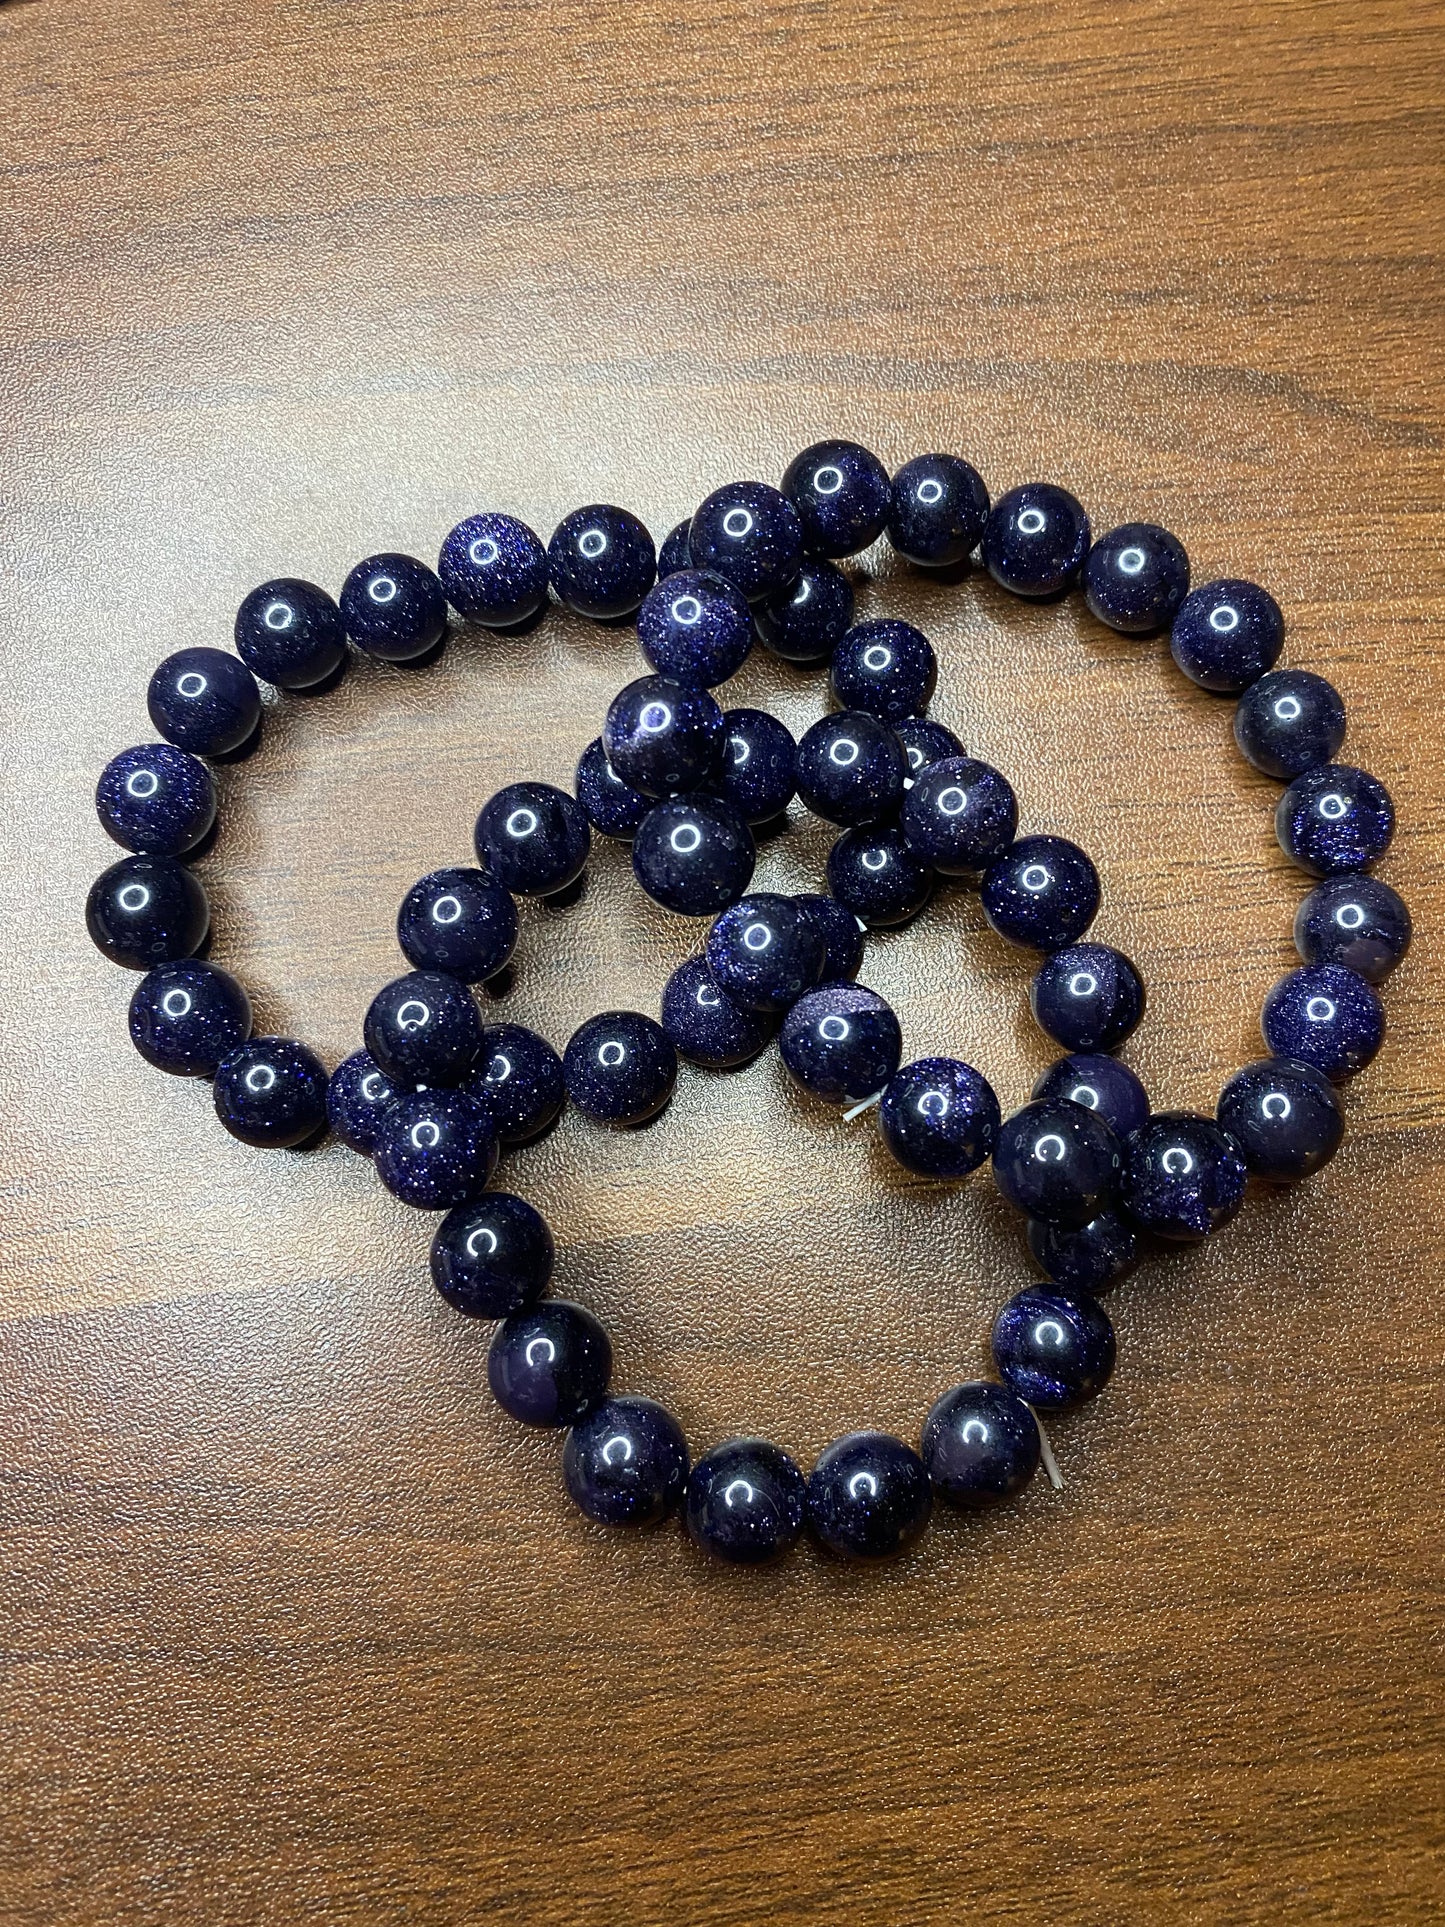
(295, 1626)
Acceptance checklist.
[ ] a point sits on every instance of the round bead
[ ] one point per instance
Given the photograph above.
(1335, 818)
(612, 807)
(874, 874)
(619, 1067)
(186, 1016)
(886, 669)
(939, 1117)
(519, 1082)
(745, 1502)
(1183, 1176)
(662, 737)
(842, 494)
(205, 701)
(424, 1028)
(759, 773)
(434, 1149)
(1326, 1016)
(751, 534)
(1356, 921)
(695, 628)
(147, 910)
(394, 608)
(851, 768)
(532, 839)
(704, 1025)
(804, 622)
(625, 1463)
(1100, 1084)
(290, 633)
(1286, 1118)
(1052, 1351)
(271, 1091)
(1087, 997)
(1091, 1258)
(980, 1445)
(493, 570)
(924, 742)
(156, 799)
(356, 1097)
(1035, 540)
(868, 1496)
(1289, 721)
(693, 854)
(673, 555)
(458, 921)
(960, 815)
(601, 561)
(550, 1364)
(1057, 1161)
(841, 1042)
(766, 951)
(1043, 892)
(842, 936)
(1227, 634)
(492, 1257)
(940, 511)
(1136, 577)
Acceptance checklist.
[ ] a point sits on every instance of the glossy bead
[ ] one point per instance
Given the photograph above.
(940, 511)
(459, 921)
(759, 772)
(533, 839)
(550, 1364)
(186, 1016)
(626, 1463)
(612, 807)
(493, 570)
(1289, 721)
(695, 628)
(1035, 540)
(147, 910)
(751, 534)
(1227, 634)
(1053, 1351)
(886, 669)
(424, 1028)
(1100, 1084)
(873, 873)
(1136, 577)
(619, 1067)
(434, 1149)
(805, 621)
(939, 1117)
(394, 607)
(1356, 921)
(766, 951)
(271, 1091)
(674, 555)
(205, 701)
(1286, 1118)
(156, 799)
(1183, 1176)
(1335, 818)
(356, 1097)
(1087, 997)
(704, 1025)
(492, 1257)
(601, 561)
(959, 816)
(842, 494)
(693, 855)
(1057, 1161)
(1091, 1259)
(519, 1082)
(1326, 1016)
(851, 768)
(745, 1502)
(980, 1445)
(841, 1042)
(290, 633)
(842, 936)
(868, 1496)
(924, 742)
(663, 737)
(1043, 892)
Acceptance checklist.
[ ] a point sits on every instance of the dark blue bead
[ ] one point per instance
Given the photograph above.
(550, 1364)
(1100, 1084)
(156, 799)
(1136, 577)
(873, 873)
(805, 621)
(693, 855)
(1087, 997)
(147, 910)
(1356, 921)
(356, 1097)
(424, 1028)
(980, 1445)
(939, 1117)
(1091, 1259)
(1183, 1176)
(434, 1149)
(1335, 818)
(842, 937)
(492, 1257)
(842, 1042)
(493, 570)
(1326, 1016)
(393, 607)
(751, 534)
(1035, 540)
(186, 1016)
(662, 737)
(519, 1082)
(851, 768)
(619, 1067)
(766, 951)
(759, 774)
(533, 839)
(1057, 1161)
(1286, 1118)
(290, 633)
(205, 701)
(702, 1022)
(868, 1496)
(1227, 634)
(1289, 721)
(745, 1502)
(1053, 1351)
(959, 816)
(626, 1464)
(842, 494)
(925, 742)
(459, 921)
(940, 511)
(601, 561)
(1043, 892)
(271, 1091)
(886, 669)
(695, 628)
(613, 807)
(674, 554)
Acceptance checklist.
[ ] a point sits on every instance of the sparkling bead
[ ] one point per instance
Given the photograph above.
(874, 874)
(1286, 1118)
(1183, 1176)
(1043, 892)
(1091, 1259)
(601, 561)
(1052, 1351)
(1356, 921)
(674, 554)
(1326, 1016)
(205, 701)
(613, 807)
(1227, 634)
(493, 570)
(156, 799)
(1035, 540)
(695, 628)
(704, 1025)
(693, 855)
(1335, 818)
(434, 1149)
(841, 1042)
(492, 1257)
(1100, 1084)
(424, 1028)
(886, 669)
(290, 633)
(960, 816)
(759, 774)
(533, 839)
(519, 1082)
(662, 737)
(1057, 1161)
(842, 494)
(940, 511)
(356, 1097)
(186, 1016)
(550, 1364)
(1087, 997)
(851, 768)
(271, 1091)
(147, 910)
(619, 1067)
(980, 1445)
(1289, 721)
(766, 951)
(868, 1496)
(924, 742)
(1136, 577)
(393, 607)
(458, 921)
(842, 936)
(805, 621)
(626, 1463)
(751, 534)
(939, 1117)
(745, 1502)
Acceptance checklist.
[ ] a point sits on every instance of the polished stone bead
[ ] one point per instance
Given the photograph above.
(1053, 1351)
(1100, 1084)
(751, 534)
(356, 1097)
(493, 570)
(1286, 1118)
(533, 839)
(959, 816)
(156, 799)
(424, 1028)
(924, 742)
(695, 628)
(805, 621)
(759, 773)
(612, 807)
(674, 553)
(601, 561)
(290, 633)
(1227, 634)
(1183, 1177)
(1087, 997)
(1057, 1161)
(868, 1496)
(1356, 921)
(186, 1016)
(842, 494)
(842, 1042)
(873, 873)
(940, 511)
(459, 921)
(693, 854)
(1136, 577)
(1043, 892)
(549, 1365)
(1335, 818)
(1324, 1015)
(205, 701)
(434, 1149)
(980, 1445)
(704, 1025)
(842, 937)
(271, 1091)
(1035, 540)
(887, 669)
(766, 951)
(625, 1463)
(1091, 1258)
(851, 768)
(939, 1117)
(745, 1502)
(663, 737)
(1289, 721)
(620, 1067)
(519, 1081)
(492, 1257)
(394, 607)
(147, 910)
